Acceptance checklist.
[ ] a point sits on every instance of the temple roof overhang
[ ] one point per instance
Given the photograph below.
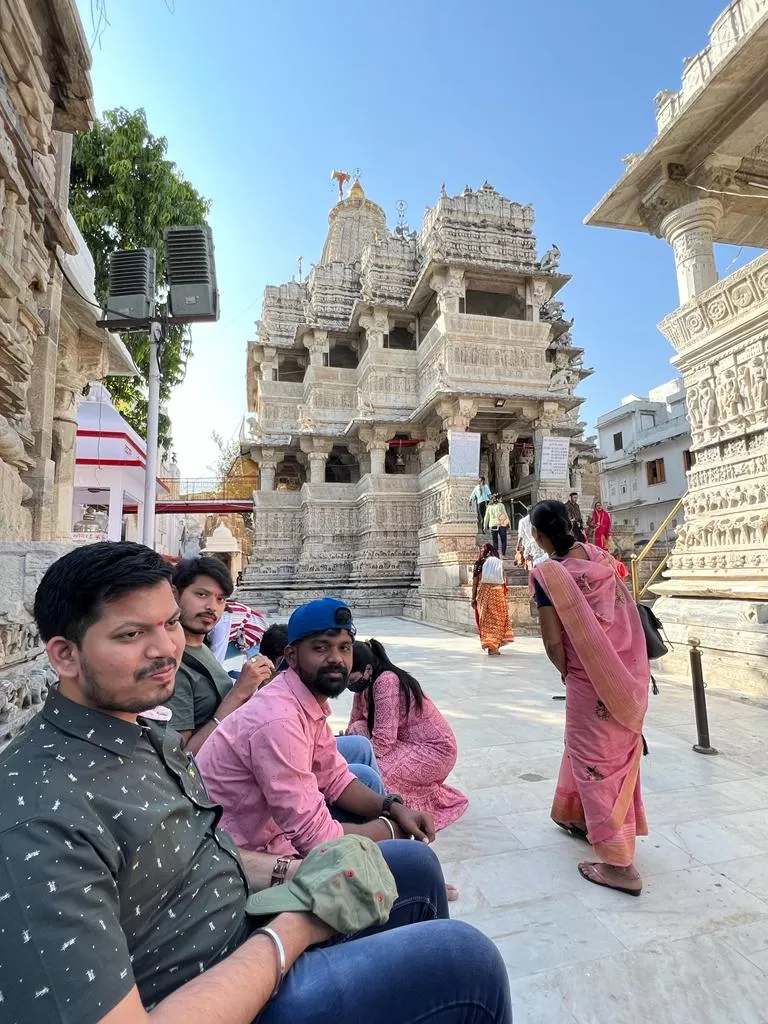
(493, 278)
(712, 140)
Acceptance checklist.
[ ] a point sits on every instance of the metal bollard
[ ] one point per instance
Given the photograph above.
(702, 746)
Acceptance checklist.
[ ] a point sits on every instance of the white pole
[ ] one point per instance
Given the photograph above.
(153, 414)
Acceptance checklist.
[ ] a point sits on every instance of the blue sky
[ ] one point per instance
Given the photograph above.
(261, 99)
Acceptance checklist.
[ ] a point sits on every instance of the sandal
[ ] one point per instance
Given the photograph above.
(451, 892)
(590, 870)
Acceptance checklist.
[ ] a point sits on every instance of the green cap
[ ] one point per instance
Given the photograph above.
(345, 882)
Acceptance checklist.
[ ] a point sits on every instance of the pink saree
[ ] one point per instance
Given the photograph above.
(607, 680)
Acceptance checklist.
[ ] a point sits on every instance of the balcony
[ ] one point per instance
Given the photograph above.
(330, 394)
(388, 378)
(276, 404)
(484, 351)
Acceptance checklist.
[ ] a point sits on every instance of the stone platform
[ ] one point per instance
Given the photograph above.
(693, 949)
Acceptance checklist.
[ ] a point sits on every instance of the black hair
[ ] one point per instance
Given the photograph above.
(74, 590)
(274, 642)
(374, 654)
(551, 519)
(188, 570)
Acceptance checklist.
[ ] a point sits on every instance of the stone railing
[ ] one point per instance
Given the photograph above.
(729, 31)
(740, 297)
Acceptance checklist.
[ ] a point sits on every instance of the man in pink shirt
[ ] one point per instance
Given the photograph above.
(273, 764)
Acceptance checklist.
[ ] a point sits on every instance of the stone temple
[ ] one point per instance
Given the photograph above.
(359, 374)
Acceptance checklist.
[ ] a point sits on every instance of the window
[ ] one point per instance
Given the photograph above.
(651, 526)
(689, 459)
(647, 420)
(655, 472)
(618, 442)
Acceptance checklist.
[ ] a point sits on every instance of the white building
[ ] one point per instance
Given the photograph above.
(646, 445)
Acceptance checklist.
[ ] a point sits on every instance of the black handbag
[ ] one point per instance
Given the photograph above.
(654, 642)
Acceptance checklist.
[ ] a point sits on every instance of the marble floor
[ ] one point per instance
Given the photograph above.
(693, 949)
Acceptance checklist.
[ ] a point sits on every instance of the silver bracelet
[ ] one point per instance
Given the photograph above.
(389, 823)
(280, 956)
(216, 720)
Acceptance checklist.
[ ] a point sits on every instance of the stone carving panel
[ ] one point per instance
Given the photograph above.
(742, 294)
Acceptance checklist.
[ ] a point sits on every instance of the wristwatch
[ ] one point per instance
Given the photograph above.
(386, 804)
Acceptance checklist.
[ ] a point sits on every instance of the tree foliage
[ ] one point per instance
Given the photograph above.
(123, 193)
(228, 454)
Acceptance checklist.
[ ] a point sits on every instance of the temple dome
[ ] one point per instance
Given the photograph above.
(352, 224)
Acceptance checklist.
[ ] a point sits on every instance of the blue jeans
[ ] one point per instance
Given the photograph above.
(418, 968)
(499, 538)
(361, 760)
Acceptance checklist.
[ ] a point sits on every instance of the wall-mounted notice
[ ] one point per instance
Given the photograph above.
(465, 453)
(554, 458)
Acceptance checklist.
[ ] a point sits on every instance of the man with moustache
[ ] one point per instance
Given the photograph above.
(273, 764)
(205, 693)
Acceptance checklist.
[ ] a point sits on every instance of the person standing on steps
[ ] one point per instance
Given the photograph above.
(593, 636)
(599, 525)
(489, 600)
(576, 518)
(480, 497)
(497, 521)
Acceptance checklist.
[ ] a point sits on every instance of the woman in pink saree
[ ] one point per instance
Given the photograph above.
(593, 635)
(599, 525)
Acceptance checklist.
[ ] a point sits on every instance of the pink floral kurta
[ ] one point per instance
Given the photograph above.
(415, 753)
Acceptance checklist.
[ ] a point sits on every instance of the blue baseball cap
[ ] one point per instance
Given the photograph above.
(319, 616)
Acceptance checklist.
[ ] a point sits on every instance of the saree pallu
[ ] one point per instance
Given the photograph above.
(492, 614)
(607, 680)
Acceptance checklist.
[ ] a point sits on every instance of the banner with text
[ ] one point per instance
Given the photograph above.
(554, 458)
(465, 453)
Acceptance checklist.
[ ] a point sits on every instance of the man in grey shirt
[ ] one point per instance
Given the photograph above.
(205, 694)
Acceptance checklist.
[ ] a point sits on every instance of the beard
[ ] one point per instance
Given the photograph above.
(105, 700)
(196, 625)
(323, 682)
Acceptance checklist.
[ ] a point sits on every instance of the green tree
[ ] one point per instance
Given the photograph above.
(123, 193)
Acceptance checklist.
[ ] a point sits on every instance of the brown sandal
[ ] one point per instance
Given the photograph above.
(594, 878)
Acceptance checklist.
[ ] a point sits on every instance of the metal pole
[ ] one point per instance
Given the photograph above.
(702, 746)
(153, 415)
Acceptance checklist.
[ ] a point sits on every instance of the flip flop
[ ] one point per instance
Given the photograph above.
(585, 865)
(573, 830)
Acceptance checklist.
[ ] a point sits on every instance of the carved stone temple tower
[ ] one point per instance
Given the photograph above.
(704, 179)
(359, 373)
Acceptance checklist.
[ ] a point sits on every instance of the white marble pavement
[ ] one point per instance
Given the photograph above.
(693, 949)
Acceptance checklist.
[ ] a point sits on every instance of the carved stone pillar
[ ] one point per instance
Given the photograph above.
(376, 325)
(449, 287)
(376, 440)
(268, 465)
(428, 448)
(456, 413)
(316, 343)
(317, 451)
(317, 461)
(269, 363)
(501, 455)
(690, 230)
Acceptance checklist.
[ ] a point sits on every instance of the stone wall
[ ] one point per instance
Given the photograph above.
(50, 346)
(25, 674)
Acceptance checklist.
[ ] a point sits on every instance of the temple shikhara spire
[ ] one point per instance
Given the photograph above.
(362, 372)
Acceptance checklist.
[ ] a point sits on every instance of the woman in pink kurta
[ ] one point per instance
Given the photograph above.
(414, 745)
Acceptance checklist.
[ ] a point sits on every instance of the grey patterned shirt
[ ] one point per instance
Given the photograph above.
(111, 869)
